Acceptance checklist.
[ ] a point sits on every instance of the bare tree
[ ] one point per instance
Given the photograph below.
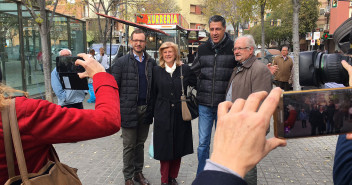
(44, 28)
(106, 7)
(295, 40)
(157, 6)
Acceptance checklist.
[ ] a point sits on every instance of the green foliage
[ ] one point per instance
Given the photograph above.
(308, 16)
(227, 9)
(39, 20)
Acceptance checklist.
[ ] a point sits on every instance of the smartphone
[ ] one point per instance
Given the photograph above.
(67, 70)
(66, 64)
(314, 113)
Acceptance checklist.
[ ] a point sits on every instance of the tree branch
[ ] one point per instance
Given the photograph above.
(51, 20)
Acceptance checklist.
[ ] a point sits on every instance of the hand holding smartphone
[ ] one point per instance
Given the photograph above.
(314, 113)
(65, 66)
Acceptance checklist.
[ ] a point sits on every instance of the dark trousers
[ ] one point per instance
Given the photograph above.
(169, 169)
(75, 105)
(133, 145)
(283, 85)
(304, 123)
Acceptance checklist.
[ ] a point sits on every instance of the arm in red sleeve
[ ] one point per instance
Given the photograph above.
(49, 123)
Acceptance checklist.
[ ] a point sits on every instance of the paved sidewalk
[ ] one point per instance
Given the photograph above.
(303, 161)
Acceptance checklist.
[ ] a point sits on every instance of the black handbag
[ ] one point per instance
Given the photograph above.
(189, 103)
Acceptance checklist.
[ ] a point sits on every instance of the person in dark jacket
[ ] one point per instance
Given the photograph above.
(213, 66)
(133, 74)
(330, 111)
(172, 136)
(342, 170)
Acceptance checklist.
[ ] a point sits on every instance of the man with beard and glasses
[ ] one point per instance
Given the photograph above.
(133, 74)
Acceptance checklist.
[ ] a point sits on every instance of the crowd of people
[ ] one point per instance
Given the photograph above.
(321, 116)
(234, 91)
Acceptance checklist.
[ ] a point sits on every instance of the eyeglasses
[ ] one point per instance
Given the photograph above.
(234, 49)
(141, 41)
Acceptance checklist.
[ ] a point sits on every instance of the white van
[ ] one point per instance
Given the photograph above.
(117, 50)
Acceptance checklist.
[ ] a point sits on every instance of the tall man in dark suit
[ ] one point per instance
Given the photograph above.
(133, 74)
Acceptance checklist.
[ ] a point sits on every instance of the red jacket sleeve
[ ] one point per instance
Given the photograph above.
(49, 123)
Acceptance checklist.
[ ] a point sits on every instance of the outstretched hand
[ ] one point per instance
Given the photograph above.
(239, 141)
(348, 67)
(272, 68)
(90, 65)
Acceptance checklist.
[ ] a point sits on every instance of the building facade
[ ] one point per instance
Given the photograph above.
(192, 12)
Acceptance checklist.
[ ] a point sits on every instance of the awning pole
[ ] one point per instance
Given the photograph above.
(111, 26)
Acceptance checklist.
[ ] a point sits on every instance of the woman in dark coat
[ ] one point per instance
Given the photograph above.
(172, 136)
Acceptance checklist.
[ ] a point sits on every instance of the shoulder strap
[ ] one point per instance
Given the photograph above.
(8, 141)
(183, 90)
(16, 138)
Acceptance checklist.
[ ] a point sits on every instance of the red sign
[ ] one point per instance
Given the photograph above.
(158, 19)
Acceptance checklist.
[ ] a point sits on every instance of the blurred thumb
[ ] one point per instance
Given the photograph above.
(83, 75)
(273, 143)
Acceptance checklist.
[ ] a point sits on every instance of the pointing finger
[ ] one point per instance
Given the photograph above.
(253, 101)
(270, 103)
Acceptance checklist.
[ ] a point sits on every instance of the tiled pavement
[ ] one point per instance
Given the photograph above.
(302, 161)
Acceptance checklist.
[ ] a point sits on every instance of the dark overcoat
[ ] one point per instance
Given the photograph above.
(172, 136)
(125, 71)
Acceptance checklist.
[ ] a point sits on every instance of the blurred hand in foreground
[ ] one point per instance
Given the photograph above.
(239, 141)
(90, 65)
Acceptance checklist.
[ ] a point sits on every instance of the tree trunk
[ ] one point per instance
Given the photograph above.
(235, 29)
(262, 8)
(46, 66)
(295, 40)
(44, 31)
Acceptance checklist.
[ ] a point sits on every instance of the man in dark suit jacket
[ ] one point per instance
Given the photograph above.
(230, 160)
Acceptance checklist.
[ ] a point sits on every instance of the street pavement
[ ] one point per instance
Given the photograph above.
(302, 161)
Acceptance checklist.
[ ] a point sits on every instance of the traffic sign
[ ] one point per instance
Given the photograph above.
(326, 36)
(312, 42)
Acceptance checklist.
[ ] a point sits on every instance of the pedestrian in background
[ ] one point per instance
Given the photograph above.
(66, 97)
(303, 116)
(133, 74)
(283, 75)
(213, 66)
(172, 136)
(90, 81)
(103, 58)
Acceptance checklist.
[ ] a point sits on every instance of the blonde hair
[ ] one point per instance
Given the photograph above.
(169, 45)
(6, 93)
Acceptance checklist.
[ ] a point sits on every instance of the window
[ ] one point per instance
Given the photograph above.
(192, 9)
(322, 11)
(99, 6)
(196, 9)
(193, 25)
(86, 11)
